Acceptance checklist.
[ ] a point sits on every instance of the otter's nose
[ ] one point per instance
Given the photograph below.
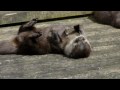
(79, 39)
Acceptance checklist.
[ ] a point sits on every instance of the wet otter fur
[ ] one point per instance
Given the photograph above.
(68, 40)
(23, 41)
(108, 17)
(60, 39)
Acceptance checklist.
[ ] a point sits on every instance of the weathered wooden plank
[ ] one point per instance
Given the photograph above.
(8, 17)
(103, 63)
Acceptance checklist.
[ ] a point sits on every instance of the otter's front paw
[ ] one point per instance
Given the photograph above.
(35, 35)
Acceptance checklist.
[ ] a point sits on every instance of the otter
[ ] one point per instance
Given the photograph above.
(68, 40)
(108, 17)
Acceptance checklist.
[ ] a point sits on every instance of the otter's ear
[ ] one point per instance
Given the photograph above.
(78, 29)
(54, 37)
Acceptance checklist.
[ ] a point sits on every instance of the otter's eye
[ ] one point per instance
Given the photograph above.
(83, 38)
(77, 40)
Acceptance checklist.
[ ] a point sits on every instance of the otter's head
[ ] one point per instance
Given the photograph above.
(70, 42)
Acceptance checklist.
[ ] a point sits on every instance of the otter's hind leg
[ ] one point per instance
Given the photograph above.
(29, 26)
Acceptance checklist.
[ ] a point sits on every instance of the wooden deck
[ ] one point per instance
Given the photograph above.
(104, 62)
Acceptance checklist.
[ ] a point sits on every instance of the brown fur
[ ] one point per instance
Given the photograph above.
(54, 39)
(24, 42)
(108, 17)
(7, 47)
